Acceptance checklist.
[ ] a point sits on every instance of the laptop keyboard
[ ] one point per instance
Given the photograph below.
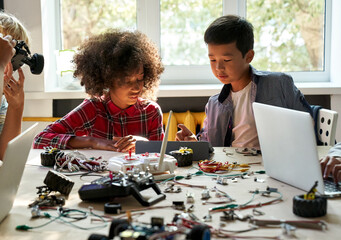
(331, 186)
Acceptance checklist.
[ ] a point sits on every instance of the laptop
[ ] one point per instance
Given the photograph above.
(201, 150)
(12, 168)
(289, 151)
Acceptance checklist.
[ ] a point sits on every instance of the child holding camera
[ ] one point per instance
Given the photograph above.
(117, 68)
(12, 102)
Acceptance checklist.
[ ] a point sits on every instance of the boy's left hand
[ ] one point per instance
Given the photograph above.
(124, 144)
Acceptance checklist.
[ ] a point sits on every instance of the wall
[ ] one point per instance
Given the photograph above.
(28, 12)
(40, 104)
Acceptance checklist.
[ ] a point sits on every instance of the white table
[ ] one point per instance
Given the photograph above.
(34, 175)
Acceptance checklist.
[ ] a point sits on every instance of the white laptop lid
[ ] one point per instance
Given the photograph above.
(165, 141)
(13, 167)
(288, 146)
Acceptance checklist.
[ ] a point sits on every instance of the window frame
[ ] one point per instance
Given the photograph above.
(148, 13)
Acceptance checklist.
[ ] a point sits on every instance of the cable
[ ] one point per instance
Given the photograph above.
(246, 205)
(67, 213)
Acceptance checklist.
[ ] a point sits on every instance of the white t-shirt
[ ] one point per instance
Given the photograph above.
(244, 132)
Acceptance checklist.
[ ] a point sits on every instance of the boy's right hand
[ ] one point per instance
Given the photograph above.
(185, 134)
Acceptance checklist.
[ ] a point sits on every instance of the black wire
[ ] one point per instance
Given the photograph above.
(89, 174)
(74, 214)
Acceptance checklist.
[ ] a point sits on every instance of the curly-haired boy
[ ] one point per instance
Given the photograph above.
(117, 68)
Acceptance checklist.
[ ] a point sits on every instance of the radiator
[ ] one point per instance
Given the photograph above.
(190, 119)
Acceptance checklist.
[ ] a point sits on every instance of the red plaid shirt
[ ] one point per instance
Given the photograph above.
(103, 119)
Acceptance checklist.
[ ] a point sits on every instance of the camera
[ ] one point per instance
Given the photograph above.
(23, 55)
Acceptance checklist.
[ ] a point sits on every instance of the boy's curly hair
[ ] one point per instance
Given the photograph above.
(104, 60)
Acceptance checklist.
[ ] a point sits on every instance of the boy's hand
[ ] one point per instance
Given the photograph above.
(8, 70)
(14, 90)
(118, 144)
(94, 143)
(7, 45)
(124, 144)
(331, 165)
(185, 134)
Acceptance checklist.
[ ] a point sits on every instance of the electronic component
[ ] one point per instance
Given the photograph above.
(155, 163)
(122, 185)
(112, 208)
(190, 197)
(310, 205)
(184, 156)
(54, 181)
(48, 158)
(57, 181)
(179, 205)
(74, 161)
(46, 199)
(222, 180)
(143, 162)
(205, 194)
(172, 189)
(124, 230)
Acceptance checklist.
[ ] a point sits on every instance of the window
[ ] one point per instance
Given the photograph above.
(290, 36)
(81, 19)
(183, 24)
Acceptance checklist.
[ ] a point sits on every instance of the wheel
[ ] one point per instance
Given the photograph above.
(60, 201)
(117, 226)
(56, 181)
(112, 208)
(48, 158)
(95, 236)
(199, 232)
(310, 208)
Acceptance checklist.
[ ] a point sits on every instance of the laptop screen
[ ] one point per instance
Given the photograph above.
(288, 145)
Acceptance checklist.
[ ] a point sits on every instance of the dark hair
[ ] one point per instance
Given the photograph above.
(104, 60)
(228, 29)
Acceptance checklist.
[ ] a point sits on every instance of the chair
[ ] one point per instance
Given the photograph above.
(189, 119)
(326, 126)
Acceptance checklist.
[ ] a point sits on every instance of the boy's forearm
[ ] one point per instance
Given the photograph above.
(12, 127)
(1, 82)
(80, 142)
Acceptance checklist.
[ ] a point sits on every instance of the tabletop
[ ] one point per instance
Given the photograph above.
(241, 190)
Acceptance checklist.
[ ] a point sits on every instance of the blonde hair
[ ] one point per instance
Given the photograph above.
(10, 25)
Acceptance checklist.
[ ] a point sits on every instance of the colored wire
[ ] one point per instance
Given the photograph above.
(246, 205)
(66, 214)
(219, 232)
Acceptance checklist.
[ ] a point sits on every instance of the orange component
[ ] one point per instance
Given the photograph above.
(213, 166)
